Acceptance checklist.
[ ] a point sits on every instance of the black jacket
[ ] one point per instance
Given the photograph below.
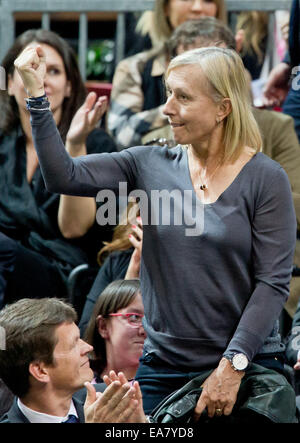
(14, 415)
(294, 34)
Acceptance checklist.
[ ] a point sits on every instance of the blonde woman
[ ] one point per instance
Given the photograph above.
(138, 91)
(168, 14)
(205, 293)
(254, 24)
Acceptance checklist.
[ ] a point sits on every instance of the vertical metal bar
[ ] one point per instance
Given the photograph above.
(120, 37)
(46, 21)
(232, 21)
(270, 43)
(7, 31)
(83, 43)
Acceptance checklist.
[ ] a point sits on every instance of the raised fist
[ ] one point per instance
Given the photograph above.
(31, 65)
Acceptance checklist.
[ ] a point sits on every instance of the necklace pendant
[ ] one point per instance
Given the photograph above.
(203, 187)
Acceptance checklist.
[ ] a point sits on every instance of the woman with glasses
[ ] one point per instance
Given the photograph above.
(115, 330)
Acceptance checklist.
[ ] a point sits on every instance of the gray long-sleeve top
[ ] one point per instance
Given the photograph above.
(219, 291)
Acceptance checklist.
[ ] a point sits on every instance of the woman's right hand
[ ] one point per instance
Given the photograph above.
(31, 66)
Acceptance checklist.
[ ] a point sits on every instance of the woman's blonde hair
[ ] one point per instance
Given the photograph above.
(225, 74)
(255, 26)
(156, 23)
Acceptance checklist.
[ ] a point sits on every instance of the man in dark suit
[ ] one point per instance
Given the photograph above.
(44, 362)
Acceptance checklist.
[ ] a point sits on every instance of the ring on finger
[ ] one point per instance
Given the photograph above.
(218, 412)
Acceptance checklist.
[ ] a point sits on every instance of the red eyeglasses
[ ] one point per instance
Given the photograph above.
(133, 319)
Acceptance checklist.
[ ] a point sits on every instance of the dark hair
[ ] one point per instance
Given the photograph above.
(9, 116)
(29, 326)
(204, 31)
(117, 295)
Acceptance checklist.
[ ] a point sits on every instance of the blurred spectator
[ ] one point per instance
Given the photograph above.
(47, 232)
(138, 92)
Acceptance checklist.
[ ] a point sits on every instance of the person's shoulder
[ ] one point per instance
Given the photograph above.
(140, 59)
(269, 117)
(266, 163)
(115, 263)
(268, 173)
(154, 152)
(119, 256)
(4, 419)
(14, 414)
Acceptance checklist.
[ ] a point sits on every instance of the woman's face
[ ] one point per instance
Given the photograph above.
(57, 87)
(124, 342)
(191, 111)
(179, 11)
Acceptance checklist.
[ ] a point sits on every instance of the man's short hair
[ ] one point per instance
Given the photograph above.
(30, 326)
(206, 31)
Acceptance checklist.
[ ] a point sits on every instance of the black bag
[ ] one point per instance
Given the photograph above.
(264, 396)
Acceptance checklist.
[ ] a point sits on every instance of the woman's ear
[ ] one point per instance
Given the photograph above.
(225, 109)
(102, 326)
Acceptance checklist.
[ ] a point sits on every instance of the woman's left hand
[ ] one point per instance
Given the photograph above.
(219, 391)
(86, 119)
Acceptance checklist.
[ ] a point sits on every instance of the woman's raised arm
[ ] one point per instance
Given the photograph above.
(82, 176)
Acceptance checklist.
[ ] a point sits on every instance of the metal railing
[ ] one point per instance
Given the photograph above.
(9, 7)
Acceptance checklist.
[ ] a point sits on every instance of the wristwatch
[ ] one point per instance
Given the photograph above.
(239, 361)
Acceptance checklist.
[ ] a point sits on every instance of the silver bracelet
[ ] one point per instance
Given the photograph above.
(38, 103)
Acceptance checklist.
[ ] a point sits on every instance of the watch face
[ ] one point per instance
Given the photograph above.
(240, 362)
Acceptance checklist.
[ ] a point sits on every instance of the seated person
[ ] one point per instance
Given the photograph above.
(122, 261)
(41, 234)
(138, 93)
(115, 330)
(255, 27)
(45, 363)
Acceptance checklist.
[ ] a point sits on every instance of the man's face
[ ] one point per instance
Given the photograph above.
(71, 366)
